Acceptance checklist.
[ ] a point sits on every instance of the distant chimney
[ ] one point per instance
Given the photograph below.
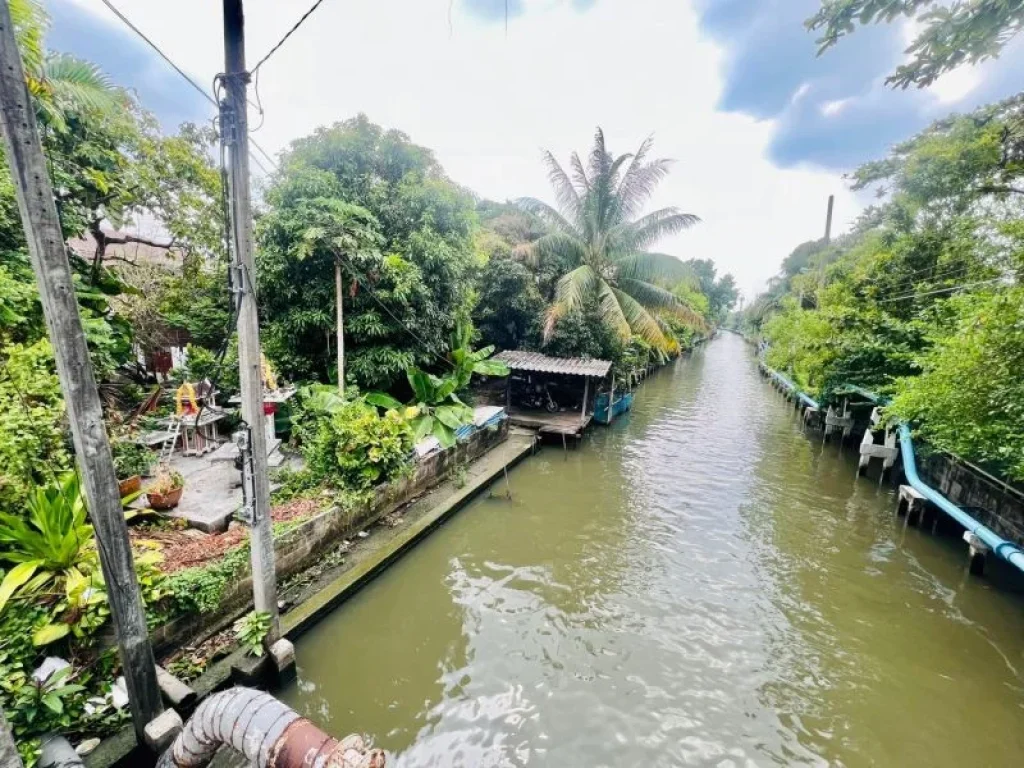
(828, 220)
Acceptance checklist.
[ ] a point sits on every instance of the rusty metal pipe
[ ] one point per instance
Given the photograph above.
(266, 732)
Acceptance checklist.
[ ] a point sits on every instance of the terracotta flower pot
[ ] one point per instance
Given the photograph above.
(130, 485)
(167, 500)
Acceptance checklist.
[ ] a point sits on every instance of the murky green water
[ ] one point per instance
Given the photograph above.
(699, 584)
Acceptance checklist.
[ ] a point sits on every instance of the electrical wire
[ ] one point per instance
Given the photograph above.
(128, 23)
(941, 290)
(289, 33)
(907, 280)
(365, 283)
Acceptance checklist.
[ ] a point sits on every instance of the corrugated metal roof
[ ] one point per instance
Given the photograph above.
(570, 366)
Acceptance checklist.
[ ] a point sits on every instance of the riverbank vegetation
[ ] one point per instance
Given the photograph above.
(433, 280)
(921, 300)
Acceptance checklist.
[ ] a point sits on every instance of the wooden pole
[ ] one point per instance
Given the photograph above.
(339, 293)
(74, 368)
(586, 394)
(234, 123)
(611, 400)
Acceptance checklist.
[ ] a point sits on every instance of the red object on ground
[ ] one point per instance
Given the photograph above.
(269, 409)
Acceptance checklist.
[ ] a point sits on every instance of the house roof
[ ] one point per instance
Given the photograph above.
(570, 366)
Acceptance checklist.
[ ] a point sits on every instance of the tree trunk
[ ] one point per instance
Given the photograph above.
(339, 296)
(101, 249)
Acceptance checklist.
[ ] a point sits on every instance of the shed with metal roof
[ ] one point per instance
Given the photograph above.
(519, 360)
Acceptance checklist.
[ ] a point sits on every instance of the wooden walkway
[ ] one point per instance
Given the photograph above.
(561, 423)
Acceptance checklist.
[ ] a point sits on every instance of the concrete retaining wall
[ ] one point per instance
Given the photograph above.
(301, 546)
(993, 504)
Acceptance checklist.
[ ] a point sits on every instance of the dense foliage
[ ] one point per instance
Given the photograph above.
(346, 443)
(969, 398)
(401, 299)
(921, 300)
(510, 308)
(948, 35)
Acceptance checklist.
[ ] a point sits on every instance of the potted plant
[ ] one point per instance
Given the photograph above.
(131, 461)
(165, 491)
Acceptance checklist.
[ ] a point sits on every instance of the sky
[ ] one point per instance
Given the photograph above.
(761, 129)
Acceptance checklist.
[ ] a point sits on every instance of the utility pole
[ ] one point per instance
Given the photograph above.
(74, 368)
(339, 292)
(235, 132)
(828, 219)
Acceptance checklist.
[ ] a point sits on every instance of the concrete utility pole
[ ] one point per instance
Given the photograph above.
(74, 368)
(828, 219)
(235, 130)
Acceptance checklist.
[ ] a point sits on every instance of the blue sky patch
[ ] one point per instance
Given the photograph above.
(128, 61)
(833, 110)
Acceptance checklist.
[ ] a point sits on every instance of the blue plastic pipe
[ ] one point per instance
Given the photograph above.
(792, 387)
(1008, 551)
(1004, 549)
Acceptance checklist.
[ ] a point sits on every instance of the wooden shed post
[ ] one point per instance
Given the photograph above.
(586, 394)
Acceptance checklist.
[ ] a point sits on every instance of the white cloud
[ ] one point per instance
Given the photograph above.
(830, 108)
(487, 102)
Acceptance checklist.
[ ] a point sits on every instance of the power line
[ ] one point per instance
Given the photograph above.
(363, 281)
(289, 33)
(205, 94)
(910, 284)
(941, 290)
(127, 22)
(919, 276)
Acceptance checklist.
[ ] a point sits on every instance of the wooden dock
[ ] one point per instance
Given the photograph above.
(568, 423)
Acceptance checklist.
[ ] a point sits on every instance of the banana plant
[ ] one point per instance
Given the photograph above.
(436, 408)
(466, 362)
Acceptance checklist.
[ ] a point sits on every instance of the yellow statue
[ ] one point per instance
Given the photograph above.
(269, 377)
(185, 401)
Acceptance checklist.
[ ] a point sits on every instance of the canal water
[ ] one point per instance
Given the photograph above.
(699, 584)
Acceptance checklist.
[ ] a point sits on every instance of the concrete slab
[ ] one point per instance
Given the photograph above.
(162, 730)
(213, 487)
(213, 491)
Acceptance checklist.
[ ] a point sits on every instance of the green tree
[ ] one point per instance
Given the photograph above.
(600, 241)
(509, 310)
(951, 34)
(333, 231)
(402, 307)
(969, 399)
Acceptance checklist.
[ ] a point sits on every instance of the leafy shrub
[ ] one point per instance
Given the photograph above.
(32, 441)
(199, 590)
(251, 629)
(354, 447)
(970, 398)
(52, 544)
(436, 408)
(130, 458)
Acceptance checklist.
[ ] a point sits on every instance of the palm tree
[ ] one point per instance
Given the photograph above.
(60, 84)
(601, 238)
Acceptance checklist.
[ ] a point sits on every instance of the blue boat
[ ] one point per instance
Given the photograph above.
(623, 402)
